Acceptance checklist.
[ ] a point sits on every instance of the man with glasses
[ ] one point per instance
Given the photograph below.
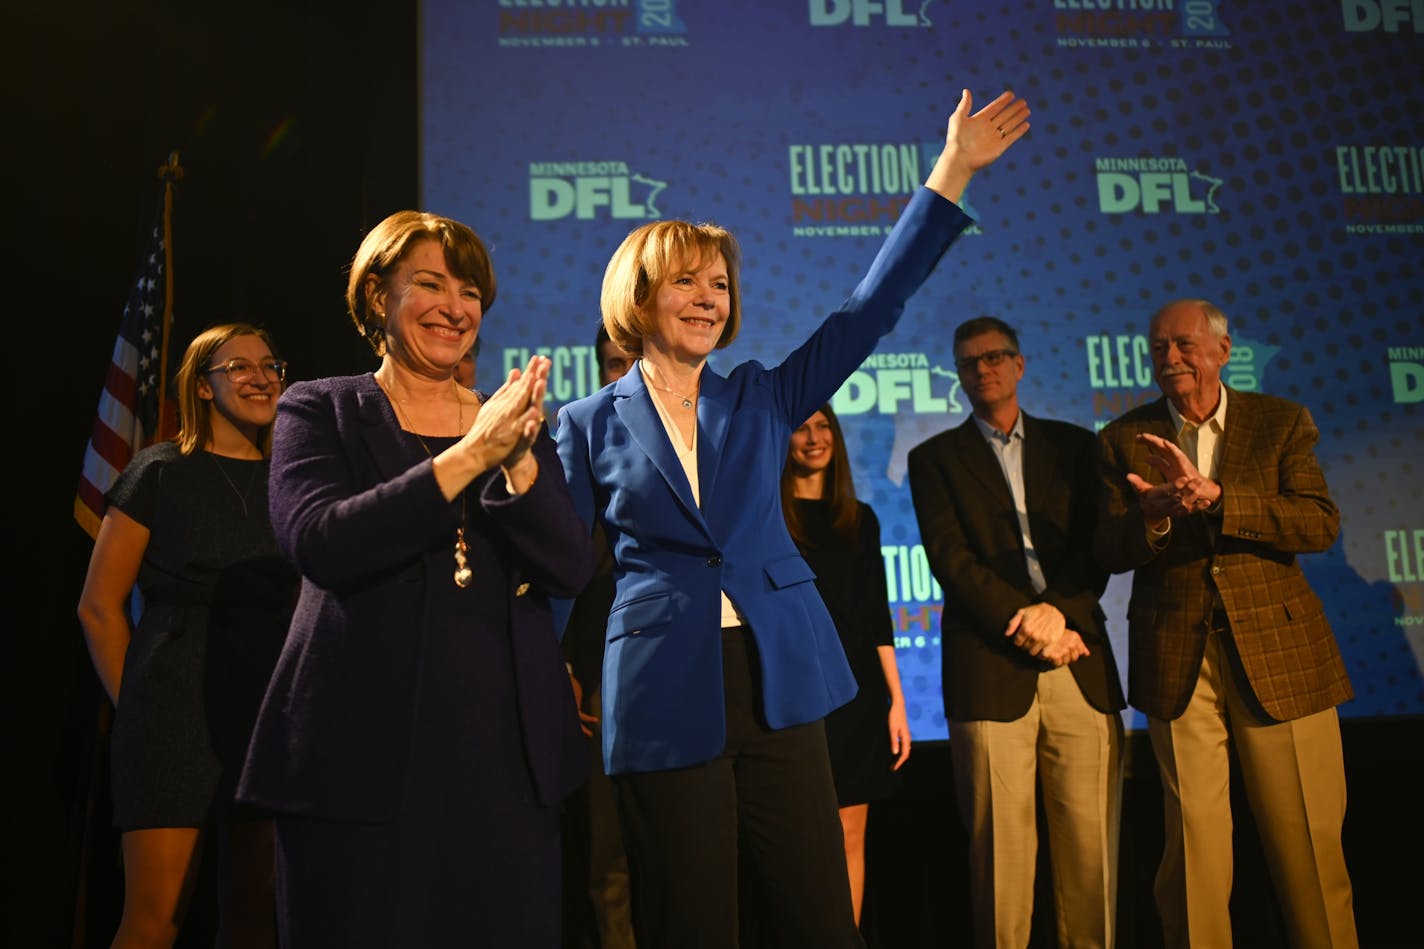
(1209, 495)
(1006, 505)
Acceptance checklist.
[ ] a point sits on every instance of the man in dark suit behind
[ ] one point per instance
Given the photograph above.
(1006, 505)
(1208, 496)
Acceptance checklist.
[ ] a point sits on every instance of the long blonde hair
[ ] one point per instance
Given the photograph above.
(195, 414)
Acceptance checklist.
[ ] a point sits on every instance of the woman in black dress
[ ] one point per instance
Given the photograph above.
(187, 524)
(869, 737)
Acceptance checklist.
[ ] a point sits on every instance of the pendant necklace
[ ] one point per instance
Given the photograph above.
(686, 400)
(241, 495)
(463, 574)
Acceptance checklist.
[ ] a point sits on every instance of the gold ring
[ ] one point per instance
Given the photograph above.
(1002, 133)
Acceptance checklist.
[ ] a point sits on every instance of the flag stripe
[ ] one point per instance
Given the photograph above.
(107, 456)
(127, 414)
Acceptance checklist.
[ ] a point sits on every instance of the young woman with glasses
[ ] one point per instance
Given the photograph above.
(186, 661)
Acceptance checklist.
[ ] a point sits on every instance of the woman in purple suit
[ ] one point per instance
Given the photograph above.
(420, 730)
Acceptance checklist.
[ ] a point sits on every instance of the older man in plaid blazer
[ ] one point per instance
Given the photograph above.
(1208, 496)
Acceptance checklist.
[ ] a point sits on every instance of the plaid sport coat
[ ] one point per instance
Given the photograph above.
(1275, 505)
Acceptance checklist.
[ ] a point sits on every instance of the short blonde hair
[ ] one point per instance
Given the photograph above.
(647, 257)
(388, 243)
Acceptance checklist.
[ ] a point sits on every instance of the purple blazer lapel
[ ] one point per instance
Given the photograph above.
(391, 451)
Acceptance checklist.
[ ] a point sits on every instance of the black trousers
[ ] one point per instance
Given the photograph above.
(767, 805)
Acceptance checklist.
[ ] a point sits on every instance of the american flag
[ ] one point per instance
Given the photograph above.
(127, 418)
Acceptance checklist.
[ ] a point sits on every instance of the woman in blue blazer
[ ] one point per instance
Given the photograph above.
(419, 732)
(721, 659)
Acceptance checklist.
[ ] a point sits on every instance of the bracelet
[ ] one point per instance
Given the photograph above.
(509, 483)
(1163, 532)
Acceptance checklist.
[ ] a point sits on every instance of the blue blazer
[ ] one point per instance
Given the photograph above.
(662, 674)
(355, 506)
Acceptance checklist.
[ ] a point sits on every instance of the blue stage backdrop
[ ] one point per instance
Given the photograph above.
(1266, 156)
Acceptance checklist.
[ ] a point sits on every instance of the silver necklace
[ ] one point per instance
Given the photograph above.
(241, 495)
(686, 399)
(464, 576)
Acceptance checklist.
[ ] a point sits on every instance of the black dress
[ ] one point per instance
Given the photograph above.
(851, 580)
(216, 599)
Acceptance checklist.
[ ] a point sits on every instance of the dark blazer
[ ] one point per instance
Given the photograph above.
(1274, 506)
(355, 506)
(972, 538)
(587, 622)
(662, 675)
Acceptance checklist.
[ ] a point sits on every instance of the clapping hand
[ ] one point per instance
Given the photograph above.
(1185, 490)
(509, 420)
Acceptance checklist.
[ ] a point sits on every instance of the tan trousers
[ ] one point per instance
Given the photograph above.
(1075, 752)
(1294, 774)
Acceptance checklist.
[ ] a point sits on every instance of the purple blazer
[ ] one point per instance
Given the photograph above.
(356, 508)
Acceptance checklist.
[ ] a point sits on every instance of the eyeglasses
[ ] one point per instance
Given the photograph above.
(991, 359)
(240, 371)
